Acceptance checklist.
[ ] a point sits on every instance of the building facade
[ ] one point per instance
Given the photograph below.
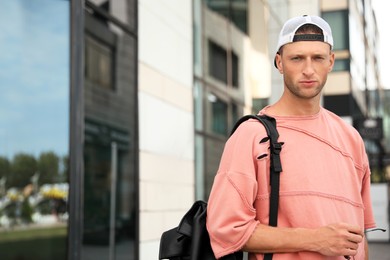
(117, 111)
(354, 90)
(230, 66)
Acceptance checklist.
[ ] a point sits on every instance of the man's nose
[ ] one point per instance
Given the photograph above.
(308, 67)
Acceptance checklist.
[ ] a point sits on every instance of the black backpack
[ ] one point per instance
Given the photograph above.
(190, 240)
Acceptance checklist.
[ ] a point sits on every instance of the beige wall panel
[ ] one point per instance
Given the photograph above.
(329, 5)
(338, 83)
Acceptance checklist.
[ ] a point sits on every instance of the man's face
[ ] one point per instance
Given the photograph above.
(305, 66)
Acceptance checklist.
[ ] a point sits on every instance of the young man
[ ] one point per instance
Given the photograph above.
(325, 203)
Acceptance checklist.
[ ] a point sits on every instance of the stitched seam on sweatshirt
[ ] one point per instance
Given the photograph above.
(326, 142)
(311, 193)
(246, 202)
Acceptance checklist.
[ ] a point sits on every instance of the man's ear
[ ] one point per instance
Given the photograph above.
(278, 62)
(332, 60)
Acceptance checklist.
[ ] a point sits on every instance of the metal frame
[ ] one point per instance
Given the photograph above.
(76, 166)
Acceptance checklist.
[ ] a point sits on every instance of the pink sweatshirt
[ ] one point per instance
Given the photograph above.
(325, 179)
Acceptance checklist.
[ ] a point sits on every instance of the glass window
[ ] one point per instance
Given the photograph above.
(234, 10)
(219, 117)
(34, 129)
(338, 21)
(98, 63)
(218, 62)
(235, 68)
(341, 65)
(217, 114)
(258, 104)
(110, 152)
(239, 14)
(218, 65)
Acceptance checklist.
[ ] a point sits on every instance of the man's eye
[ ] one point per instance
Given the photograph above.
(295, 58)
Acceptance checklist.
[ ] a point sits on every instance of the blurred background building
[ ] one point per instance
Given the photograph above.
(117, 111)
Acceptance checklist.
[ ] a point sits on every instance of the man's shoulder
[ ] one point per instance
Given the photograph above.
(250, 126)
(338, 121)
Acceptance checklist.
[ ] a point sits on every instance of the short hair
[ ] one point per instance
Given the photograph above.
(309, 29)
(306, 29)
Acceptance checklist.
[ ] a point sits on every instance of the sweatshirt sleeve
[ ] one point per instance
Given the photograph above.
(231, 216)
(369, 221)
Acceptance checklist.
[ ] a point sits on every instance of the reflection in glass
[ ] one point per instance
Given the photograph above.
(34, 130)
(110, 152)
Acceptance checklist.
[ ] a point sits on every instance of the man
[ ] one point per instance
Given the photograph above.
(324, 204)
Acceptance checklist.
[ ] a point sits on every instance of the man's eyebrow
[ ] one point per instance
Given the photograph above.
(308, 54)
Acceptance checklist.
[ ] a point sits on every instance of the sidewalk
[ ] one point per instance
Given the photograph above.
(379, 250)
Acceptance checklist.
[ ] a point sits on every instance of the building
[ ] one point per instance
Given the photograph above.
(354, 90)
(117, 111)
(230, 66)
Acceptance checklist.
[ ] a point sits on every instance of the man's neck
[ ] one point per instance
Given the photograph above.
(295, 107)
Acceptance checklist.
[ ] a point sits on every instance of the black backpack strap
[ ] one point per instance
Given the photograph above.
(275, 167)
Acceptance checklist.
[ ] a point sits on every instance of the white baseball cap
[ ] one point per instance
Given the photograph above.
(287, 34)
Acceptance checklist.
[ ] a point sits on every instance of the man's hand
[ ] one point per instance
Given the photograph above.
(332, 240)
(338, 239)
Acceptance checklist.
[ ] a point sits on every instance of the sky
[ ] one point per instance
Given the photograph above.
(34, 77)
(383, 20)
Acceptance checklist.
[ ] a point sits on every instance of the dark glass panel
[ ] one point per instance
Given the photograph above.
(341, 65)
(235, 72)
(217, 115)
(217, 62)
(234, 10)
(110, 151)
(338, 21)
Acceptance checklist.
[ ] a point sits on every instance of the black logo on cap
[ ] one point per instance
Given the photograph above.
(308, 37)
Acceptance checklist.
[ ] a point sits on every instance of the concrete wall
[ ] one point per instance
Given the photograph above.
(165, 117)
